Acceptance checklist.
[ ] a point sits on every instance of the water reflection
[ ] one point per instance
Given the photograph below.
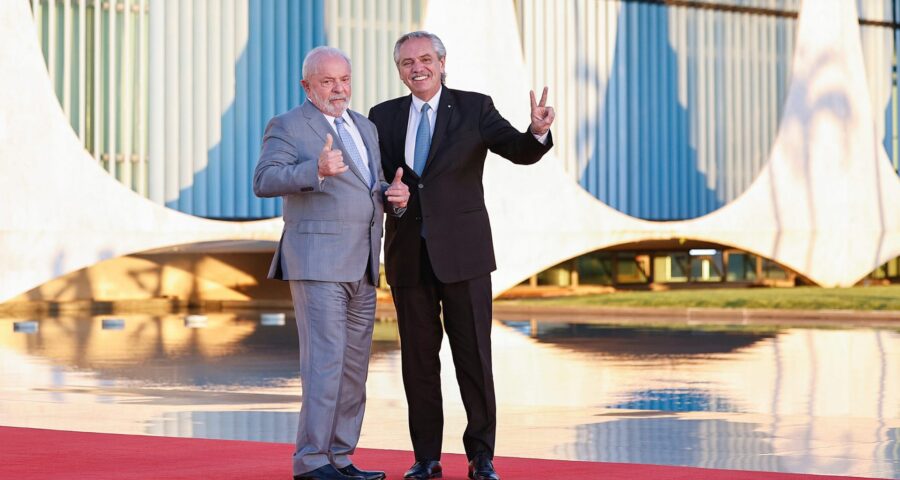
(640, 341)
(775, 399)
(652, 440)
(778, 371)
(228, 349)
(252, 426)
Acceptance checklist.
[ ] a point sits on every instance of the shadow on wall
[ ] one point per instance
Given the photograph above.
(643, 164)
(190, 277)
(78, 284)
(266, 83)
(803, 116)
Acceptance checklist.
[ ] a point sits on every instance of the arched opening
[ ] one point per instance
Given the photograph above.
(674, 264)
(660, 265)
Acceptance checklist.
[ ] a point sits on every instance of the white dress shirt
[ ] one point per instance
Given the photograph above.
(412, 126)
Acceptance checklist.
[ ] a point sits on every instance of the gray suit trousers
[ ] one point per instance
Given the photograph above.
(334, 324)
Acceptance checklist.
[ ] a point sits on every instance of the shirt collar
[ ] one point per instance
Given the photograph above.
(344, 115)
(418, 102)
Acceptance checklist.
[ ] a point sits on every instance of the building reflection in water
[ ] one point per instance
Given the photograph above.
(758, 398)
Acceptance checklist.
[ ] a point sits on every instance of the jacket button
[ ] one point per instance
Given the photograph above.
(372, 223)
(421, 186)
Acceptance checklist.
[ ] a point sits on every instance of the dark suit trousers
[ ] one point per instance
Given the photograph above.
(467, 320)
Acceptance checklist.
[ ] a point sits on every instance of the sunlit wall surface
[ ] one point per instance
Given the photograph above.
(367, 31)
(668, 109)
(218, 72)
(172, 97)
(97, 58)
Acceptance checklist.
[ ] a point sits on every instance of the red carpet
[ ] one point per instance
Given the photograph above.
(31, 454)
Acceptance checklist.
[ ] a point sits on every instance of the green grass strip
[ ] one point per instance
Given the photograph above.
(797, 298)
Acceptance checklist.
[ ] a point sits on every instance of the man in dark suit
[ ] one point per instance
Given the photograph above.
(322, 159)
(439, 255)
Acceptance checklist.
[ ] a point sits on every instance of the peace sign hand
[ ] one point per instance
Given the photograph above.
(541, 115)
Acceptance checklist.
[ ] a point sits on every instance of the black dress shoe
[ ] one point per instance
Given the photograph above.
(325, 472)
(424, 469)
(482, 468)
(352, 471)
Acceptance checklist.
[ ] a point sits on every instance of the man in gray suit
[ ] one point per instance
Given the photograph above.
(324, 160)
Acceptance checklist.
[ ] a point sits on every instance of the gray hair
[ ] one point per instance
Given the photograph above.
(311, 62)
(435, 42)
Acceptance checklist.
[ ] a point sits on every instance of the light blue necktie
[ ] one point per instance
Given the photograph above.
(350, 146)
(423, 141)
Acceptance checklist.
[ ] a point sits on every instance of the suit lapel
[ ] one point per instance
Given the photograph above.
(398, 136)
(316, 121)
(446, 106)
(370, 144)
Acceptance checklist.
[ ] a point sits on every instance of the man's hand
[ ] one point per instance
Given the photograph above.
(398, 193)
(541, 115)
(331, 162)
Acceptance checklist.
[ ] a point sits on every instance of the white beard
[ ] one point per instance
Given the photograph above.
(326, 107)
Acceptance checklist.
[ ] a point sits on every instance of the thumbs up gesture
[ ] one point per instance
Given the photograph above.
(331, 162)
(397, 192)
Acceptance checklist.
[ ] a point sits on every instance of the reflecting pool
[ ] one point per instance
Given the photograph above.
(786, 399)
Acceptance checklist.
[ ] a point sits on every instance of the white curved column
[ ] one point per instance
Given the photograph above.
(59, 211)
(827, 203)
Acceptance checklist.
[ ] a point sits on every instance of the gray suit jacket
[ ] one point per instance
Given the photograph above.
(332, 230)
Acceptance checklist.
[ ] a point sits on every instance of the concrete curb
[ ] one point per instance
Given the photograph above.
(562, 314)
(744, 316)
